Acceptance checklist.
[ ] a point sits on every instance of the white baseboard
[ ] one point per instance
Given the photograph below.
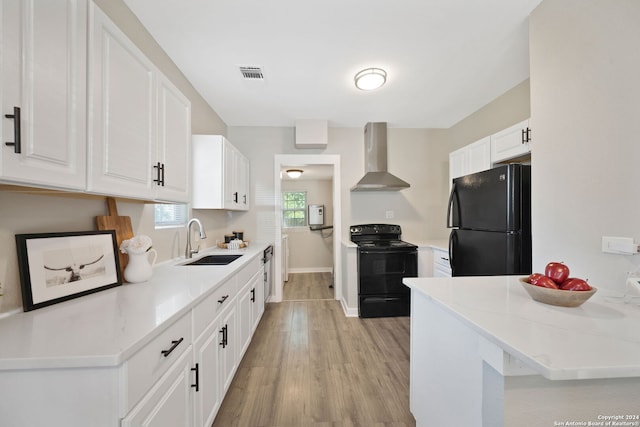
(348, 311)
(311, 270)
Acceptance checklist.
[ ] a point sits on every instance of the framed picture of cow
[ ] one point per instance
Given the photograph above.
(56, 267)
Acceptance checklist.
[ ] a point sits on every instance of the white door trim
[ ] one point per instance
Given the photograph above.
(281, 160)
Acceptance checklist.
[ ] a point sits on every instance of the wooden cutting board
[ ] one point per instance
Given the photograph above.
(122, 226)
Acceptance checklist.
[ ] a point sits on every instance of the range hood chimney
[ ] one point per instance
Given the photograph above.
(376, 177)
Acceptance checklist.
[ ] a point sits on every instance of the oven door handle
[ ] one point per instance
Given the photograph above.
(387, 251)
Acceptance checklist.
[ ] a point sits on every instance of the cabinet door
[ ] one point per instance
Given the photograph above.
(169, 403)
(457, 164)
(244, 182)
(122, 96)
(230, 176)
(258, 298)
(208, 399)
(245, 317)
(174, 142)
(511, 142)
(479, 156)
(43, 73)
(228, 347)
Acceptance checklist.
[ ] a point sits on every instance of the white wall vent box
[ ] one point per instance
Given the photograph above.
(311, 133)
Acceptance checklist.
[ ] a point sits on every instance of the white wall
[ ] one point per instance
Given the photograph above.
(585, 92)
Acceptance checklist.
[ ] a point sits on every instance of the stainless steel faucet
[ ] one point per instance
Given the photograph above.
(188, 253)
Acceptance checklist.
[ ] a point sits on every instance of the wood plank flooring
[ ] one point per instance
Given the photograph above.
(309, 365)
(307, 286)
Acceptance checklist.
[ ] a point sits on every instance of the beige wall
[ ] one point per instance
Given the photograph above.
(311, 250)
(585, 65)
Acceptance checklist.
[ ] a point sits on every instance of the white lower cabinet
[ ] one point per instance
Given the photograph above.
(250, 309)
(441, 264)
(169, 403)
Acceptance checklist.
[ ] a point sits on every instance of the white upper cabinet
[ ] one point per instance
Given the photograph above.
(220, 174)
(514, 141)
(43, 73)
(471, 158)
(122, 94)
(174, 142)
(140, 125)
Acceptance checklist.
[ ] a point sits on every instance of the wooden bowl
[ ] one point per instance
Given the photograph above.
(557, 297)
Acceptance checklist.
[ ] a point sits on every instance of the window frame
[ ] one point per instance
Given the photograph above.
(178, 212)
(301, 210)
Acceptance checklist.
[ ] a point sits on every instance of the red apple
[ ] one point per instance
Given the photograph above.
(575, 284)
(533, 278)
(557, 271)
(546, 282)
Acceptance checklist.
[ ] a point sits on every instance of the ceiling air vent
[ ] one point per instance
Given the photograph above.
(252, 73)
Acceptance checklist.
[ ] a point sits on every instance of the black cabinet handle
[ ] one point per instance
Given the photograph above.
(223, 299)
(245, 199)
(253, 295)
(17, 140)
(174, 344)
(197, 371)
(160, 179)
(235, 197)
(223, 331)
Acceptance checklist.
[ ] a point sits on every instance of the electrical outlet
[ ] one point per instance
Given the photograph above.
(619, 245)
(390, 214)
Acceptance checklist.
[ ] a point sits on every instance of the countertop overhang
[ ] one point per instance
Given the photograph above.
(600, 339)
(105, 328)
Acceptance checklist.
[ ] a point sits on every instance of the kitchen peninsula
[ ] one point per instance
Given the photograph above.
(483, 353)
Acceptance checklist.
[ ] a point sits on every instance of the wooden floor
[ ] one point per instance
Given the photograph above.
(309, 365)
(307, 286)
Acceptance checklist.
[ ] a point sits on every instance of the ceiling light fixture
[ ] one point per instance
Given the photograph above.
(294, 173)
(370, 78)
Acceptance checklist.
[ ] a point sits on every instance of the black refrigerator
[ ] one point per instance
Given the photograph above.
(489, 213)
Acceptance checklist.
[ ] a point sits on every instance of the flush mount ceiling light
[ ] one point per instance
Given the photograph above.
(370, 78)
(294, 173)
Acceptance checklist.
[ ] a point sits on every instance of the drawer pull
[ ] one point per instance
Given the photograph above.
(174, 344)
(223, 299)
(253, 295)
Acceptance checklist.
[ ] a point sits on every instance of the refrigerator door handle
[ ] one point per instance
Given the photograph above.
(451, 243)
(450, 205)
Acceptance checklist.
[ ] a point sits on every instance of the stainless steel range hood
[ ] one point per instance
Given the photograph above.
(376, 177)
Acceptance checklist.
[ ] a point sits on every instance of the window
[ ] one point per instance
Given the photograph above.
(170, 215)
(294, 208)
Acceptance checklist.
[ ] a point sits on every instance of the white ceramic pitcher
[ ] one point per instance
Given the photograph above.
(139, 269)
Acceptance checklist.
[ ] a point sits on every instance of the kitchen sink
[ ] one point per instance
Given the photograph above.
(214, 260)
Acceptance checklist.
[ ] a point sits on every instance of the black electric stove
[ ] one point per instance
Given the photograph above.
(383, 261)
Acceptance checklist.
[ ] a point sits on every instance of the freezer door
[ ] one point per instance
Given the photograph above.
(485, 253)
(496, 200)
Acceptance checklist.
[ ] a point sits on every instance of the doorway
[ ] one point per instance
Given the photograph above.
(301, 161)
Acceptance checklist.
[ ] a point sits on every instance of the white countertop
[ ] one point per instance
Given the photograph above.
(105, 328)
(599, 339)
